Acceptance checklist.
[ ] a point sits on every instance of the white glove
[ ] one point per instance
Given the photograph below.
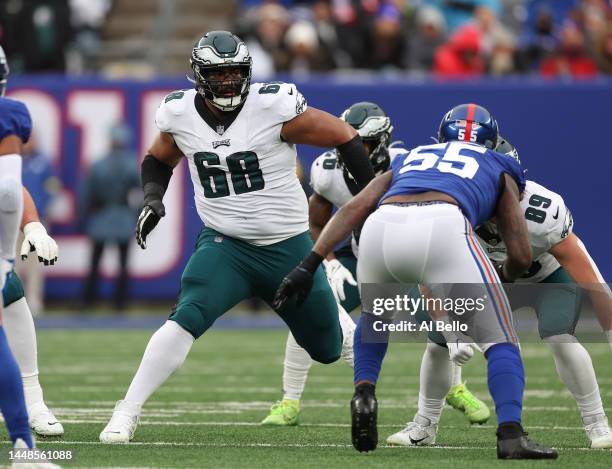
(460, 352)
(460, 346)
(337, 274)
(37, 239)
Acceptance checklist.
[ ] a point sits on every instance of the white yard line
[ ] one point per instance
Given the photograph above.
(230, 407)
(277, 445)
(174, 423)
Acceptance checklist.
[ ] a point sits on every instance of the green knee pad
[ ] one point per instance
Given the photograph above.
(13, 290)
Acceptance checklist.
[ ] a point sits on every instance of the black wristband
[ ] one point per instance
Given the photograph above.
(501, 275)
(153, 171)
(356, 161)
(153, 191)
(311, 262)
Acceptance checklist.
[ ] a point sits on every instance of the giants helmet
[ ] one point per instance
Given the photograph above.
(374, 127)
(4, 71)
(214, 51)
(469, 123)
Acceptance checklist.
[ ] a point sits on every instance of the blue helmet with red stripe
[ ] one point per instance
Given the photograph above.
(469, 123)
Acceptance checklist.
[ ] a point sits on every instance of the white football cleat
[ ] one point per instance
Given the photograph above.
(43, 422)
(419, 432)
(599, 434)
(122, 425)
(39, 464)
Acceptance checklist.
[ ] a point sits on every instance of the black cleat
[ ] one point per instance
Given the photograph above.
(364, 412)
(521, 447)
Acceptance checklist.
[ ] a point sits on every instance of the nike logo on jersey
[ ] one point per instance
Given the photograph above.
(416, 442)
(556, 215)
(290, 91)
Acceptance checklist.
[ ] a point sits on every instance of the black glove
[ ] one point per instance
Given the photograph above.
(149, 217)
(297, 282)
(500, 273)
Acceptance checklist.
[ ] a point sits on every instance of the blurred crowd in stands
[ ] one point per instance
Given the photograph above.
(451, 38)
(41, 36)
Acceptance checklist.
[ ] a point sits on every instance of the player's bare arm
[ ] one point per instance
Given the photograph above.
(321, 129)
(156, 171)
(575, 259)
(513, 230)
(11, 145)
(164, 150)
(319, 213)
(36, 238)
(30, 213)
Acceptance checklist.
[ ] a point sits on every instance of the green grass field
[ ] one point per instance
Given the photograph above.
(207, 414)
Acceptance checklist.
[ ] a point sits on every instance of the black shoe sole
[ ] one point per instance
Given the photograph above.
(524, 449)
(529, 455)
(364, 430)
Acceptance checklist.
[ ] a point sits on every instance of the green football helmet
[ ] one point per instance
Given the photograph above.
(374, 127)
(214, 51)
(506, 148)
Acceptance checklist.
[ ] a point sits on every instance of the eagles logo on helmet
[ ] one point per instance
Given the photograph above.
(217, 52)
(374, 127)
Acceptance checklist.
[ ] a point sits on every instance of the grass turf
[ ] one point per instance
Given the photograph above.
(206, 415)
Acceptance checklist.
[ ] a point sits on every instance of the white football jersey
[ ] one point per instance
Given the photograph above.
(327, 180)
(549, 222)
(327, 177)
(243, 176)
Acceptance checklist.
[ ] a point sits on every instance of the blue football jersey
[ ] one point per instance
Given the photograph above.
(14, 119)
(467, 172)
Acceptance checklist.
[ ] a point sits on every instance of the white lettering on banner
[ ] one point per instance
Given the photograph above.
(93, 113)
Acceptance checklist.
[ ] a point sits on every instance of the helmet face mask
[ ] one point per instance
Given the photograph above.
(374, 127)
(4, 71)
(506, 148)
(221, 67)
(378, 152)
(469, 123)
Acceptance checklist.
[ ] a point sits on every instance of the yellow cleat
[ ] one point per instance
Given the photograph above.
(459, 397)
(283, 413)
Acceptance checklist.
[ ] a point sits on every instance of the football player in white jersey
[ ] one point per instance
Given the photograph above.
(333, 186)
(239, 141)
(560, 259)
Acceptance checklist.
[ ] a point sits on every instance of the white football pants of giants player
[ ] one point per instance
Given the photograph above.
(432, 243)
